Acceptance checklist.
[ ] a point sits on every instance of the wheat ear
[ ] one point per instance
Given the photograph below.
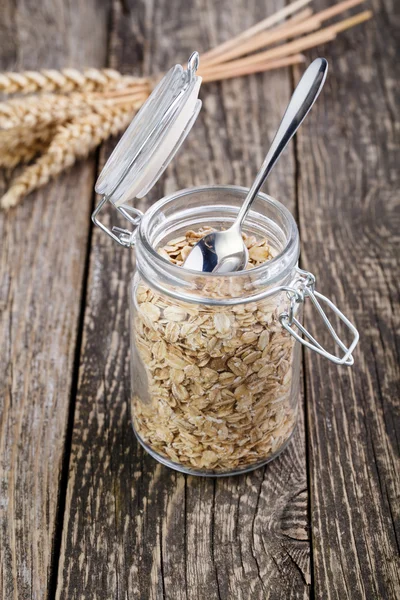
(42, 109)
(22, 154)
(37, 111)
(64, 81)
(10, 140)
(22, 145)
(71, 141)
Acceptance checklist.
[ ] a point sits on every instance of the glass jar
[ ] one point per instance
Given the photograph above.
(215, 376)
(215, 359)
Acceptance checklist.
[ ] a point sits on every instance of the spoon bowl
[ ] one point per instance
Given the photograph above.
(219, 251)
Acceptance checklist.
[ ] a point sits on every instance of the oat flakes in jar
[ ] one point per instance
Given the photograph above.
(215, 359)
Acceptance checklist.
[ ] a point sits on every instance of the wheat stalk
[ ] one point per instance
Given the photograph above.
(71, 141)
(64, 81)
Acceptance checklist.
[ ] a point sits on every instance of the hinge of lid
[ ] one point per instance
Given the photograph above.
(124, 237)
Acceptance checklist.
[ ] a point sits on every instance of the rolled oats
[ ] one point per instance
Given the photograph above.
(219, 381)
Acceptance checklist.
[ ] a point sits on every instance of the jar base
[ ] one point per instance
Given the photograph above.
(187, 471)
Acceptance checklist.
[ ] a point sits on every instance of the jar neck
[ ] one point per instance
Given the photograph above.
(216, 206)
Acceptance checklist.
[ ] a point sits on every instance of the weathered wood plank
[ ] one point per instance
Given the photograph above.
(132, 527)
(43, 250)
(348, 198)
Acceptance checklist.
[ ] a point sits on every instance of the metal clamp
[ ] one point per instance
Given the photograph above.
(193, 64)
(124, 237)
(305, 288)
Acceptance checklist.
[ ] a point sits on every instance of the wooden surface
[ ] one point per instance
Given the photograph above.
(84, 512)
(42, 275)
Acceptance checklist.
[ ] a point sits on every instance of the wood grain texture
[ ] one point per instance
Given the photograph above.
(42, 263)
(348, 154)
(132, 528)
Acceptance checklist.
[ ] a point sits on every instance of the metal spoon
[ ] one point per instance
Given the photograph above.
(224, 251)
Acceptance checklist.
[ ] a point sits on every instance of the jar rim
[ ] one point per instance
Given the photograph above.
(267, 273)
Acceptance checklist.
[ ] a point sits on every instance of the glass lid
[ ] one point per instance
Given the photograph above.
(154, 136)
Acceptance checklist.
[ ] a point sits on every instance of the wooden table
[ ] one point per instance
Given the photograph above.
(84, 512)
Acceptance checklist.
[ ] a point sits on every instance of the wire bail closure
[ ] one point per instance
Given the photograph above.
(306, 289)
(124, 237)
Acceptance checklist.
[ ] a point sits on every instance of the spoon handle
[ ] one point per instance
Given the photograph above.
(303, 98)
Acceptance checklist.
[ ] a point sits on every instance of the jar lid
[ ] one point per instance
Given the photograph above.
(154, 136)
